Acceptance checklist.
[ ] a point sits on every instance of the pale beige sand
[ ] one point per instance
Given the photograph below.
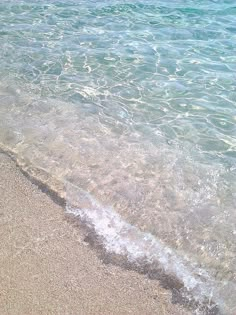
(47, 268)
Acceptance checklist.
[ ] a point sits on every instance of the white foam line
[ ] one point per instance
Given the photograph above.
(119, 237)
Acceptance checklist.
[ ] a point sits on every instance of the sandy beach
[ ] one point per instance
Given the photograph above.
(46, 267)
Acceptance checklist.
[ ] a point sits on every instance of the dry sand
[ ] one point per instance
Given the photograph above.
(46, 267)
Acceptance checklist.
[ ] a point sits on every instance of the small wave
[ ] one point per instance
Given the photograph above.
(142, 249)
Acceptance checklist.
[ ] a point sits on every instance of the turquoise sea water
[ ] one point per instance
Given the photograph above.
(132, 106)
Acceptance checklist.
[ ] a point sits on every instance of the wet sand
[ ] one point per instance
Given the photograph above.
(46, 267)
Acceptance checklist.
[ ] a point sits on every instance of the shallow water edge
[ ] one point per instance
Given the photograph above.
(132, 249)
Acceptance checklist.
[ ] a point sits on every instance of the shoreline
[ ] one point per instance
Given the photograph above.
(64, 162)
(47, 267)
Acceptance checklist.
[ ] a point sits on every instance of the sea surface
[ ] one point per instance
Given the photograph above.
(131, 106)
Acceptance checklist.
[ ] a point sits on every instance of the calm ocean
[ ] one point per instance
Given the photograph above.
(131, 107)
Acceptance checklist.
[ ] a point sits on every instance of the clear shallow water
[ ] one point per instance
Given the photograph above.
(135, 104)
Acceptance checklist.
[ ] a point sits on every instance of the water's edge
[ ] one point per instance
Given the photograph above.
(141, 252)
